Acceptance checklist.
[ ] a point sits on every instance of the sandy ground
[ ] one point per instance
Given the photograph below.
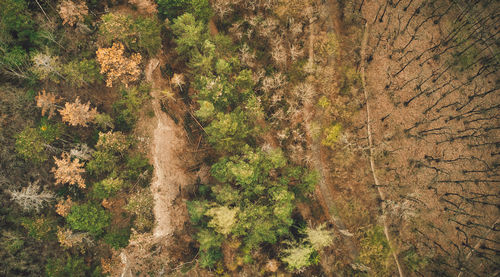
(168, 142)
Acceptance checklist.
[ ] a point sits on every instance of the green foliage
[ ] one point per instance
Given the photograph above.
(126, 109)
(222, 219)
(226, 194)
(298, 256)
(11, 242)
(197, 210)
(16, 23)
(309, 182)
(107, 187)
(413, 261)
(69, 266)
(332, 135)
(250, 168)
(202, 62)
(206, 110)
(138, 169)
(350, 78)
(148, 35)
(114, 142)
(102, 162)
(228, 132)
(319, 237)
(41, 228)
(330, 47)
(209, 258)
(375, 251)
(104, 121)
(14, 57)
(210, 243)
(324, 102)
(226, 49)
(265, 213)
(118, 239)
(200, 9)
(173, 8)
(222, 67)
(141, 205)
(50, 132)
(90, 218)
(191, 34)
(138, 35)
(30, 144)
(82, 72)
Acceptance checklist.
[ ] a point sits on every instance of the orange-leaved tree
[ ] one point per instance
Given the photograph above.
(72, 12)
(77, 113)
(46, 101)
(68, 171)
(118, 67)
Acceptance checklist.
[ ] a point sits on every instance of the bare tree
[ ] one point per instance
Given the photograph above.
(29, 198)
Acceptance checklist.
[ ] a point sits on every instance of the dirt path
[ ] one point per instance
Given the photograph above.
(320, 162)
(370, 142)
(167, 150)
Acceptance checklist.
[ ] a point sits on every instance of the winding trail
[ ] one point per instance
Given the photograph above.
(320, 163)
(370, 143)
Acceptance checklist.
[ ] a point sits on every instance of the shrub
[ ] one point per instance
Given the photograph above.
(375, 251)
(190, 34)
(126, 109)
(196, 211)
(138, 169)
(413, 261)
(50, 132)
(30, 145)
(90, 218)
(141, 205)
(114, 142)
(118, 239)
(81, 73)
(332, 135)
(41, 228)
(138, 35)
(319, 237)
(173, 8)
(298, 256)
(107, 187)
(102, 162)
(69, 266)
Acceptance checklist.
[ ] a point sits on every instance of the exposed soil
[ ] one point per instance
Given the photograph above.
(168, 149)
(167, 146)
